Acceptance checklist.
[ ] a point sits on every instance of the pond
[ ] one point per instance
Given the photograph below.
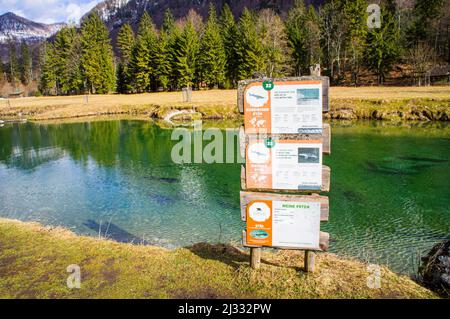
(390, 186)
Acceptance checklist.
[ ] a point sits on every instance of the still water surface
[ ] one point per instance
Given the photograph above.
(390, 198)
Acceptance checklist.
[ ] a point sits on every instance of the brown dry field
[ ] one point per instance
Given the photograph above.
(213, 102)
(218, 97)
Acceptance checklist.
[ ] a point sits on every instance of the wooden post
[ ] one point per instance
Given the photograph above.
(310, 261)
(255, 257)
(310, 256)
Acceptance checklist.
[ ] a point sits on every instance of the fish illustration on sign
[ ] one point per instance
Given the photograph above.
(256, 96)
(259, 234)
(308, 156)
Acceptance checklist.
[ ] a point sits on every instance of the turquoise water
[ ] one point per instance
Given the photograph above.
(390, 197)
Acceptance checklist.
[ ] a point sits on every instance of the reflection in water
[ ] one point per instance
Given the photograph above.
(423, 159)
(389, 194)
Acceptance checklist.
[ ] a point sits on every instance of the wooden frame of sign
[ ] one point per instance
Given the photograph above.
(325, 137)
(255, 251)
(242, 85)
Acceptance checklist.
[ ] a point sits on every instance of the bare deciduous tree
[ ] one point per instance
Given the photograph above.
(275, 42)
(422, 58)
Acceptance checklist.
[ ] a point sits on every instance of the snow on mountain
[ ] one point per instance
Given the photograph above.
(18, 28)
(108, 9)
(117, 12)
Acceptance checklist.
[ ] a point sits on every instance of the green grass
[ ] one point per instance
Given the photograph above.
(34, 259)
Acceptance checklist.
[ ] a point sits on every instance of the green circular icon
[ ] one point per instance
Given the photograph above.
(269, 143)
(268, 85)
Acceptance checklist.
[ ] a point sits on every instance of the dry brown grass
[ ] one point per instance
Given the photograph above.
(212, 104)
(391, 93)
(33, 262)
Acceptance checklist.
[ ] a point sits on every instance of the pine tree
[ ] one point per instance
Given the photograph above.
(355, 12)
(144, 51)
(122, 79)
(73, 72)
(296, 31)
(13, 70)
(173, 41)
(97, 56)
(423, 13)
(125, 44)
(383, 48)
(162, 61)
(185, 55)
(229, 34)
(47, 63)
(250, 52)
(63, 49)
(212, 57)
(168, 22)
(26, 64)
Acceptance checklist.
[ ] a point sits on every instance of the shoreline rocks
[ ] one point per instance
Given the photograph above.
(435, 269)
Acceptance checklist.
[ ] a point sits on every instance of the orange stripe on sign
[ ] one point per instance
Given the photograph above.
(259, 223)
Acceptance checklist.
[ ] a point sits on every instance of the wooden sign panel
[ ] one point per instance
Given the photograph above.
(248, 197)
(284, 106)
(325, 138)
(326, 173)
(284, 221)
(284, 164)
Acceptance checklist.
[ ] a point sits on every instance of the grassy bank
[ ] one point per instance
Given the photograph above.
(389, 103)
(33, 262)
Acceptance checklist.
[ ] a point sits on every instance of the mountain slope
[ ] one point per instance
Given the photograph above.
(18, 28)
(117, 12)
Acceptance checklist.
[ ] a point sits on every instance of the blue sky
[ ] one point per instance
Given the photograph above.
(48, 11)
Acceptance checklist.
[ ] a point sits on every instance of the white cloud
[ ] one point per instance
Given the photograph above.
(75, 11)
(48, 11)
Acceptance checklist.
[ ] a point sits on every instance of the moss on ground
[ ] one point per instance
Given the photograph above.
(34, 259)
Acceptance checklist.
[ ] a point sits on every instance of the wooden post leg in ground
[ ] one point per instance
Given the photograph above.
(310, 261)
(255, 257)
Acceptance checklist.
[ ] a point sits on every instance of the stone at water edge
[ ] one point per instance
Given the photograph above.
(435, 268)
